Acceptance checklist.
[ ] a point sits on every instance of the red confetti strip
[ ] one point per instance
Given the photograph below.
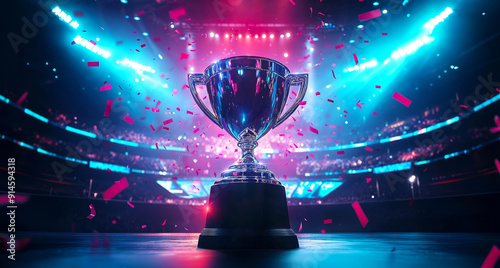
(300, 227)
(184, 56)
(106, 87)
(322, 231)
(92, 64)
(163, 224)
(492, 258)
(394, 249)
(189, 112)
(497, 164)
(176, 13)
(113, 222)
(355, 59)
(22, 98)
(220, 135)
(359, 212)
(340, 152)
(143, 45)
(152, 128)
(368, 148)
(130, 204)
(369, 15)
(108, 108)
(411, 202)
(293, 3)
(115, 189)
(368, 180)
(359, 104)
(328, 221)
(166, 122)
(196, 130)
(92, 212)
(144, 226)
(128, 120)
(109, 170)
(330, 100)
(339, 46)
(333, 75)
(302, 103)
(313, 130)
(384, 33)
(402, 99)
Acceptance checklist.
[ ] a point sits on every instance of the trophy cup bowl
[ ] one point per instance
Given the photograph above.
(247, 204)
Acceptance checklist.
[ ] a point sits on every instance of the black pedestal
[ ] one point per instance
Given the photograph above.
(247, 216)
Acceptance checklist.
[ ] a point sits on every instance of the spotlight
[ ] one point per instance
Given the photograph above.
(360, 26)
(264, 36)
(282, 35)
(217, 35)
(256, 36)
(248, 36)
(227, 35)
(375, 3)
(412, 178)
(172, 26)
(286, 55)
(212, 34)
(271, 36)
(239, 35)
(384, 11)
(287, 34)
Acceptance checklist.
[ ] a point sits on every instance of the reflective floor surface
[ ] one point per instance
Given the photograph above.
(316, 250)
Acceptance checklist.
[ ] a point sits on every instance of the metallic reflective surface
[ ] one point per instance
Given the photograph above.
(248, 95)
(316, 250)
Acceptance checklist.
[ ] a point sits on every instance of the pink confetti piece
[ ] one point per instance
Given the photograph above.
(329, 100)
(321, 13)
(402, 99)
(340, 152)
(144, 226)
(384, 33)
(333, 75)
(184, 56)
(220, 135)
(492, 258)
(394, 249)
(130, 204)
(166, 122)
(92, 212)
(355, 59)
(359, 212)
(293, 3)
(143, 45)
(339, 46)
(322, 231)
(128, 120)
(309, 190)
(313, 130)
(300, 227)
(375, 113)
(377, 86)
(368, 149)
(369, 15)
(152, 128)
(106, 87)
(113, 222)
(115, 189)
(189, 112)
(302, 103)
(109, 104)
(368, 180)
(92, 64)
(497, 164)
(196, 130)
(22, 98)
(109, 170)
(175, 92)
(78, 13)
(163, 224)
(328, 221)
(176, 13)
(359, 104)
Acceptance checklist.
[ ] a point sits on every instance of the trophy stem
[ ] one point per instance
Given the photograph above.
(247, 143)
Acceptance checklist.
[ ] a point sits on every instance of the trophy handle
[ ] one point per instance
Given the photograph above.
(201, 79)
(292, 80)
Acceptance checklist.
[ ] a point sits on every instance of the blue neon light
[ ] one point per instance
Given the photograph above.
(353, 171)
(392, 168)
(76, 160)
(35, 115)
(122, 142)
(22, 144)
(4, 99)
(422, 162)
(112, 167)
(81, 132)
(486, 103)
(40, 150)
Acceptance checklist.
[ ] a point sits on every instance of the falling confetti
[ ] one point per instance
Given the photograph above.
(128, 120)
(115, 189)
(109, 103)
(492, 258)
(402, 99)
(92, 64)
(106, 87)
(328, 221)
(359, 212)
(369, 15)
(130, 204)
(92, 212)
(313, 130)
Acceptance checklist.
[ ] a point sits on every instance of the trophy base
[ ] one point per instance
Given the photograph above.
(247, 216)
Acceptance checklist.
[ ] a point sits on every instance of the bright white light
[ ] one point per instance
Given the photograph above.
(426, 39)
(311, 49)
(407, 50)
(212, 34)
(137, 80)
(384, 11)
(387, 60)
(248, 36)
(287, 34)
(227, 35)
(375, 3)
(395, 55)
(413, 46)
(264, 36)
(286, 55)
(271, 36)
(360, 26)
(256, 36)
(137, 18)
(239, 35)
(419, 42)
(412, 178)
(172, 26)
(65, 17)
(281, 36)
(216, 35)
(401, 52)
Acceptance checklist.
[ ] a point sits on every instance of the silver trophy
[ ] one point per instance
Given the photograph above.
(248, 96)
